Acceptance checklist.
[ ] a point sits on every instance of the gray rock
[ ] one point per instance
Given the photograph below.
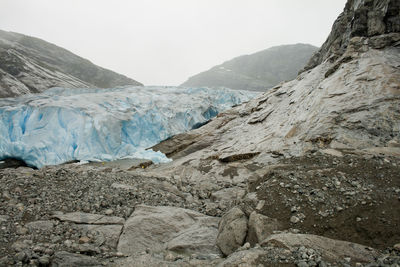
(66, 259)
(243, 258)
(228, 195)
(198, 238)
(89, 218)
(4, 218)
(44, 226)
(232, 230)
(104, 234)
(260, 227)
(330, 249)
(159, 228)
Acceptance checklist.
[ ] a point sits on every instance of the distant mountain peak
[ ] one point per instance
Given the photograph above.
(258, 71)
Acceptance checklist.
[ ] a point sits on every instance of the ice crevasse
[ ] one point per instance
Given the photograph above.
(62, 125)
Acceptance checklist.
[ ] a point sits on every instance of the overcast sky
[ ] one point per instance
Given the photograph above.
(163, 42)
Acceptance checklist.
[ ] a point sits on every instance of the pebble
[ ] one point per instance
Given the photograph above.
(302, 264)
(294, 219)
(108, 211)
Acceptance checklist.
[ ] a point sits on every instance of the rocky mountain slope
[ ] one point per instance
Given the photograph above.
(307, 174)
(31, 65)
(258, 71)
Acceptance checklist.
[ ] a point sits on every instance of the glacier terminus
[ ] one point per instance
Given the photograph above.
(61, 124)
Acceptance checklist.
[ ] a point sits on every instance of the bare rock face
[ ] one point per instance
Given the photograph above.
(360, 18)
(232, 230)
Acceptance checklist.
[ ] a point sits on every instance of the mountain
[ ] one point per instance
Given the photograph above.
(31, 65)
(258, 71)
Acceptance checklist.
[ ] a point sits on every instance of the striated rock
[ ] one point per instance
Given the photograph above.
(88, 218)
(260, 227)
(232, 230)
(160, 228)
(331, 249)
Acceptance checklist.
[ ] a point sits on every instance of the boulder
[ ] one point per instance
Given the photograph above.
(232, 230)
(160, 228)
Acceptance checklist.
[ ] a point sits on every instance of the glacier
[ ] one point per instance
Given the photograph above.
(62, 125)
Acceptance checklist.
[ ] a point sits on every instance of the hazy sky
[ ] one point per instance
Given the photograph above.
(163, 42)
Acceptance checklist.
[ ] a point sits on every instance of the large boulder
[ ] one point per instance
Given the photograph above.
(168, 228)
(232, 230)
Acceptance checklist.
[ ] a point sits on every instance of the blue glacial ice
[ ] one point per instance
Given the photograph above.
(62, 125)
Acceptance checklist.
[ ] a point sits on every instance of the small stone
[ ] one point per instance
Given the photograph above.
(21, 256)
(44, 260)
(84, 239)
(302, 264)
(397, 246)
(246, 245)
(68, 243)
(170, 257)
(294, 219)
(348, 259)
(108, 211)
(48, 251)
(358, 219)
(20, 230)
(260, 204)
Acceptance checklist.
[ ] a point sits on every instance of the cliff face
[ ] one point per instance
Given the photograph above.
(360, 18)
(31, 65)
(256, 72)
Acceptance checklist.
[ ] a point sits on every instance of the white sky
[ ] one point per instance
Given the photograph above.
(163, 42)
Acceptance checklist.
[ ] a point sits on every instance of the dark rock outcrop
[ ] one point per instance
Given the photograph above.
(366, 18)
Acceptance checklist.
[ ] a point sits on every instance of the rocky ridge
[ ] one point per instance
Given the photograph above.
(31, 65)
(305, 175)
